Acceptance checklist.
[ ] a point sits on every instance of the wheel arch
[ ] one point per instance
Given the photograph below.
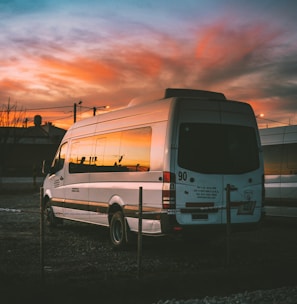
(47, 196)
(46, 199)
(115, 204)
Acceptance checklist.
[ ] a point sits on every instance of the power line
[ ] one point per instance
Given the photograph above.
(272, 120)
(53, 119)
(48, 108)
(61, 118)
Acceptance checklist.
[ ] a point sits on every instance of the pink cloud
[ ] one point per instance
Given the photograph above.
(223, 44)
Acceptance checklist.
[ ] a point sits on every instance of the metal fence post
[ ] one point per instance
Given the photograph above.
(139, 244)
(228, 189)
(41, 236)
(228, 224)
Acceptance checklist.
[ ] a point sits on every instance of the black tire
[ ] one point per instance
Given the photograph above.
(118, 231)
(50, 219)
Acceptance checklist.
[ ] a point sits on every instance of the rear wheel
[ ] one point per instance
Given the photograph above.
(118, 230)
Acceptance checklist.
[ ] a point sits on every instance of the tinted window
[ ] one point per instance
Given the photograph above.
(272, 159)
(280, 159)
(135, 149)
(291, 160)
(114, 152)
(59, 159)
(217, 149)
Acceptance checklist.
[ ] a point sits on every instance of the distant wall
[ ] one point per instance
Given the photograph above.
(24, 160)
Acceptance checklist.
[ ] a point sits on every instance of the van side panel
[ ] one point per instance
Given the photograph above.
(280, 149)
(88, 196)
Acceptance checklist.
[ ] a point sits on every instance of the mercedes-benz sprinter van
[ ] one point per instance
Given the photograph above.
(182, 151)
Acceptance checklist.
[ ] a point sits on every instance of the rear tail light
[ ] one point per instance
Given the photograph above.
(168, 191)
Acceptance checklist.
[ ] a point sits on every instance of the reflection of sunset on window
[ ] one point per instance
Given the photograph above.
(100, 145)
(136, 148)
(120, 151)
(272, 155)
(111, 150)
(81, 152)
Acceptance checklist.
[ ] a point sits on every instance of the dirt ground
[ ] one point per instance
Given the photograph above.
(75, 262)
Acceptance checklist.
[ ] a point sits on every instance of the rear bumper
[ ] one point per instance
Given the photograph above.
(169, 225)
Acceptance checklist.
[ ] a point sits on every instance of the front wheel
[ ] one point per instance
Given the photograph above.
(49, 216)
(118, 230)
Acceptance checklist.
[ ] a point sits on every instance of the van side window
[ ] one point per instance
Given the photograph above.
(280, 159)
(59, 159)
(107, 152)
(291, 165)
(80, 155)
(135, 149)
(273, 155)
(113, 152)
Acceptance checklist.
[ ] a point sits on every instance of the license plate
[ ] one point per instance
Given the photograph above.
(199, 216)
(246, 208)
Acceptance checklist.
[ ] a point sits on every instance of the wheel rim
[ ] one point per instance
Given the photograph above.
(117, 231)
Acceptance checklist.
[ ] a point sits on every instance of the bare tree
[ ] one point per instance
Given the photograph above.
(11, 115)
(11, 119)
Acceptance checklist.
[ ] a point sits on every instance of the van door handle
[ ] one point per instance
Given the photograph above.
(61, 178)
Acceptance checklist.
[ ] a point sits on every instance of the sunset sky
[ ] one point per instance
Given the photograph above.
(56, 53)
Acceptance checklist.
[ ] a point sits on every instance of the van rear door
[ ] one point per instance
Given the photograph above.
(212, 153)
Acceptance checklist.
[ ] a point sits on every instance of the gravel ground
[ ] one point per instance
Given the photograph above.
(80, 265)
(285, 295)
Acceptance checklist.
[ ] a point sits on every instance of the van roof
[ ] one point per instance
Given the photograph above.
(170, 93)
(190, 93)
(278, 135)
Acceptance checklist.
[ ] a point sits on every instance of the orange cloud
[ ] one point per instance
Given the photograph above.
(145, 62)
(10, 86)
(82, 68)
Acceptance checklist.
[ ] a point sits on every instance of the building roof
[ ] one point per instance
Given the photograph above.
(38, 134)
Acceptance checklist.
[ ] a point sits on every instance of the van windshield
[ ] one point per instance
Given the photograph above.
(217, 148)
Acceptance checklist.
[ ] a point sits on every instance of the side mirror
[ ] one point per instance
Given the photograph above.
(45, 167)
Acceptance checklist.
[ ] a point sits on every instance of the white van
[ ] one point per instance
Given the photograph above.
(182, 150)
(280, 166)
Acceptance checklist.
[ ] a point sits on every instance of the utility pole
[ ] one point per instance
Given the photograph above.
(8, 112)
(93, 108)
(75, 110)
(100, 107)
